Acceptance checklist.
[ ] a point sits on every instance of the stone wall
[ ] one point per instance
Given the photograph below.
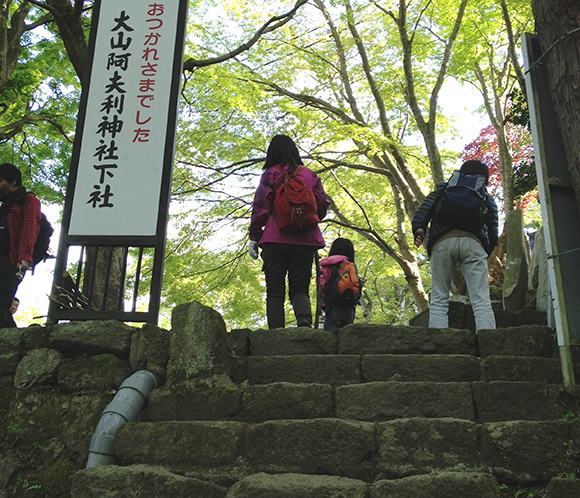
(55, 382)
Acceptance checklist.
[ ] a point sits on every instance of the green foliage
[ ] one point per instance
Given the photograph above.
(40, 104)
(308, 79)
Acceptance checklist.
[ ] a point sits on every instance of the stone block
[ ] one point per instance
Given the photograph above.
(239, 341)
(150, 349)
(525, 452)
(92, 338)
(320, 369)
(378, 401)
(530, 317)
(385, 339)
(440, 485)
(207, 398)
(420, 445)
(263, 485)
(100, 373)
(500, 401)
(422, 368)
(561, 487)
(180, 446)
(527, 340)
(37, 367)
(285, 400)
(199, 345)
(35, 337)
(291, 341)
(11, 350)
(320, 446)
(521, 368)
(112, 481)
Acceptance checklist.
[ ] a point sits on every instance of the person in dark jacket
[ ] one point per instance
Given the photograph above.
(447, 246)
(285, 253)
(19, 226)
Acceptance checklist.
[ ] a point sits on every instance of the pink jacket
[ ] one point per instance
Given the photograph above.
(263, 226)
(325, 267)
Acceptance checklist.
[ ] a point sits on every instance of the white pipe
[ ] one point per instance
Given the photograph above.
(125, 407)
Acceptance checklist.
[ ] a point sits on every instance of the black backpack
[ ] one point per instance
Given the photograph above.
(463, 204)
(40, 251)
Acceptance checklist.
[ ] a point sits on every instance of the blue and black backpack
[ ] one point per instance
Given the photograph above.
(463, 204)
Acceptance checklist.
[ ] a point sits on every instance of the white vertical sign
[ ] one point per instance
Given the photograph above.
(124, 138)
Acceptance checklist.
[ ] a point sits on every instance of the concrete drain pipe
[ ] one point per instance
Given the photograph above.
(125, 407)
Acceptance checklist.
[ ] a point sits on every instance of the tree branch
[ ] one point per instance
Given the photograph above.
(267, 27)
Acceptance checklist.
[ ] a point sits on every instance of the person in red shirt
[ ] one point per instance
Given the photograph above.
(19, 226)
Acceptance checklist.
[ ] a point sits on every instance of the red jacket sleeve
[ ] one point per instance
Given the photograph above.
(23, 225)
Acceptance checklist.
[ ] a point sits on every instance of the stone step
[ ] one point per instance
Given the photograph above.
(146, 481)
(444, 485)
(141, 481)
(461, 317)
(350, 369)
(369, 401)
(525, 340)
(481, 401)
(440, 485)
(226, 452)
(297, 486)
(377, 401)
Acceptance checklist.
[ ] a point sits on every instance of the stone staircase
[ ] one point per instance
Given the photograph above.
(374, 412)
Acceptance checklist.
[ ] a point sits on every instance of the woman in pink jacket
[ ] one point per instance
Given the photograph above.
(285, 253)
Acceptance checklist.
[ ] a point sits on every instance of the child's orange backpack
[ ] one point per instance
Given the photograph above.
(343, 286)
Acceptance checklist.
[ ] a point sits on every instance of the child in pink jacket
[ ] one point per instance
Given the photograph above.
(337, 315)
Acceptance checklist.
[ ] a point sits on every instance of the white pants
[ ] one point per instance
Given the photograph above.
(473, 261)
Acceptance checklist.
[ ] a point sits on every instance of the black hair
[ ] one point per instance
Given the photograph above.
(343, 247)
(475, 167)
(10, 172)
(282, 150)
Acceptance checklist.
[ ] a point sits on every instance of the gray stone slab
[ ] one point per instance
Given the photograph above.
(291, 341)
(561, 487)
(439, 485)
(285, 400)
(420, 445)
(424, 368)
(499, 401)
(180, 446)
(378, 401)
(320, 369)
(527, 340)
(521, 368)
(199, 344)
(92, 338)
(320, 446)
(209, 398)
(112, 481)
(263, 485)
(526, 452)
(384, 339)
(531, 317)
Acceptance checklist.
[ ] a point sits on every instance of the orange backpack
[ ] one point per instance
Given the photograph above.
(343, 286)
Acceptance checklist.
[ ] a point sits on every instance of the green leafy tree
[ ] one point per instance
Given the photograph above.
(357, 85)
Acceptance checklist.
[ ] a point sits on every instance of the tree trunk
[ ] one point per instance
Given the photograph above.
(95, 284)
(558, 27)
